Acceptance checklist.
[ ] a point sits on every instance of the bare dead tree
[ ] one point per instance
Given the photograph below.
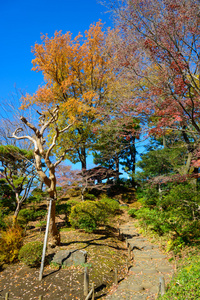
(42, 154)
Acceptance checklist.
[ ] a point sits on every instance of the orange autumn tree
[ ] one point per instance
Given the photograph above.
(77, 75)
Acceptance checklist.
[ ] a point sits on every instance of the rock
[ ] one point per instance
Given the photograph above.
(165, 269)
(147, 247)
(147, 285)
(136, 270)
(141, 256)
(150, 271)
(139, 239)
(135, 287)
(154, 289)
(158, 256)
(70, 257)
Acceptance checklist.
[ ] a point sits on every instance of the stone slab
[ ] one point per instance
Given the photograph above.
(150, 271)
(158, 256)
(70, 257)
(165, 269)
(136, 270)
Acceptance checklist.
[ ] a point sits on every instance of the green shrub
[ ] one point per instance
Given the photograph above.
(74, 192)
(110, 205)
(7, 198)
(31, 253)
(37, 196)
(31, 214)
(185, 285)
(85, 215)
(65, 208)
(10, 243)
(132, 212)
(88, 196)
(89, 215)
(175, 213)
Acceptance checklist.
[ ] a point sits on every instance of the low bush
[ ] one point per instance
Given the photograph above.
(88, 196)
(89, 215)
(31, 214)
(108, 204)
(31, 253)
(74, 192)
(85, 215)
(10, 243)
(132, 212)
(175, 213)
(65, 209)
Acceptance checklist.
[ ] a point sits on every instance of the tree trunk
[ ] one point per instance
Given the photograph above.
(54, 235)
(83, 158)
(41, 185)
(133, 160)
(117, 166)
(16, 210)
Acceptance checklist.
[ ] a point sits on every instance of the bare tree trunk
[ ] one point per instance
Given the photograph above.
(41, 153)
(54, 234)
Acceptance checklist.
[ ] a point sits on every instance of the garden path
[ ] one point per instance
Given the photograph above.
(149, 263)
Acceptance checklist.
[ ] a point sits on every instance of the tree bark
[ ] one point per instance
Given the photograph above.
(16, 210)
(41, 153)
(83, 158)
(54, 235)
(117, 167)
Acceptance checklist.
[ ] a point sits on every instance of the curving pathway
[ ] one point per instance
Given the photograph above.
(149, 263)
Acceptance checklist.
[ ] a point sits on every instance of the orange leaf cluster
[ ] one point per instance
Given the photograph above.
(76, 71)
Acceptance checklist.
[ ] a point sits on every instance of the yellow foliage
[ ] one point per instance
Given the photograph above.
(10, 243)
(75, 71)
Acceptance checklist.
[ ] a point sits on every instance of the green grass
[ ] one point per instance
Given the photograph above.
(186, 283)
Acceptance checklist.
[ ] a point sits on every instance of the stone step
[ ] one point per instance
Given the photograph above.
(148, 264)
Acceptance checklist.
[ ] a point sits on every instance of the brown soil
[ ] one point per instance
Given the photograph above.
(105, 253)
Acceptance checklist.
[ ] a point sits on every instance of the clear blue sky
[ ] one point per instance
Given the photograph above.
(21, 25)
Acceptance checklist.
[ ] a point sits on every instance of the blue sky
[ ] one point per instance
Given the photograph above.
(21, 25)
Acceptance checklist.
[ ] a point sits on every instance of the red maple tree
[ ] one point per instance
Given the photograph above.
(156, 50)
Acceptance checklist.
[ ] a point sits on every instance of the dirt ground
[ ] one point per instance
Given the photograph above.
(105, 253)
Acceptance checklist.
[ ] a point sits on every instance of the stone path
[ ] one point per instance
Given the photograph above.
(148, 265)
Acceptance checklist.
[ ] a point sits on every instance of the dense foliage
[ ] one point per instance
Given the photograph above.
(31, 253)
(10, 243)
(7, 201)
(89, 215)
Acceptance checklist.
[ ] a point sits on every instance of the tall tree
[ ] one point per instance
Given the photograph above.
(77, 74)
(116, 143)
(42, 155)
(156, 50)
